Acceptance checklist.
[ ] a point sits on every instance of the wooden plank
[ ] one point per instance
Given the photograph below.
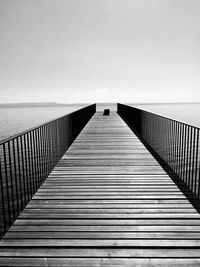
(107, 228)
(59, 205)
(146, 195)
(111, 189)
(116, 194)
(85, 262)
(80, 216)
(106, 252)
(110, 201)
(108, 222)
(111, 211)
(101, 235)
(176, 243)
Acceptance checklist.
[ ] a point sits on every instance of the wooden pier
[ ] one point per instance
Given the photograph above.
(107, 203)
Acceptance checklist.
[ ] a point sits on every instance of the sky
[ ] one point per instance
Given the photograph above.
(74, 51)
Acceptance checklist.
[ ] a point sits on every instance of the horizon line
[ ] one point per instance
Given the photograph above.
(79, 103)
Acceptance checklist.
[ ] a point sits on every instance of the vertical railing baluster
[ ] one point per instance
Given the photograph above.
(54, 143)
(36, 156)
(176, 147)
(42, 150)
(57, 138)
(182, 149)
(197, 165)
(14, 170)
(190, 158)
(196, 161)
(48, 149)
(24, 171)
(32, 154)
(187, 154)
(40, 154)
(172, 140)
(45, 151)
(170, 143)
(31, 166)
(179, 148)
(7, 184)
(20, 174)
(167, 140)
(26, 161)
(11, 180)
(51, 145)
(2, 200)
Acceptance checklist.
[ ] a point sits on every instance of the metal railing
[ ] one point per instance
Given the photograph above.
(26, 160)
(176, 143)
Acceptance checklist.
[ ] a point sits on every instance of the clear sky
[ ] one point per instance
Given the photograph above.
(99, 50)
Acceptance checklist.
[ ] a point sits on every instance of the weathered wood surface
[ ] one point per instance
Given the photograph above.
(107, 203)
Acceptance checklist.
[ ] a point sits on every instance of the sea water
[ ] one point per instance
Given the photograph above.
(14, 120)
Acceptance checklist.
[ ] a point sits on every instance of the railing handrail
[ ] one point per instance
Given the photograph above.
(162, 116)
(7, 139)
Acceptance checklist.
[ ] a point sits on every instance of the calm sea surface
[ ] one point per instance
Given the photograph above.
(15, 120)
(188, 113)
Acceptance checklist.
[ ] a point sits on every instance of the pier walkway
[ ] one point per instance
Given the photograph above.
(107, 203)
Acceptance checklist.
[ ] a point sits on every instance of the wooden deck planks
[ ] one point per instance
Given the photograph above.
(107, 203)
